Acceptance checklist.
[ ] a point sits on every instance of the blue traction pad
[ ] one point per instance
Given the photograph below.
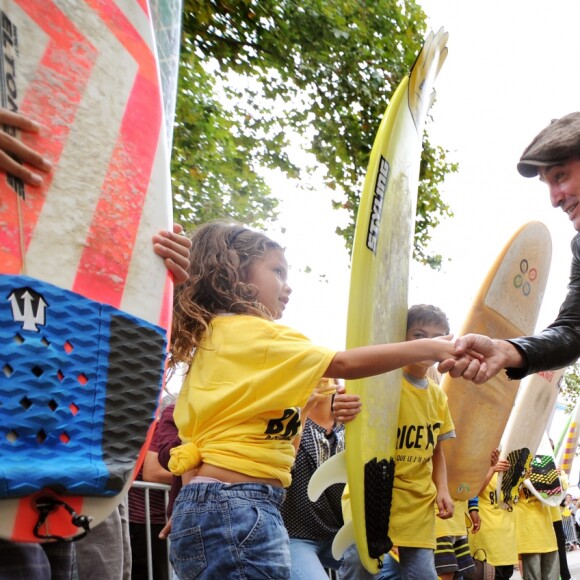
(79, 386)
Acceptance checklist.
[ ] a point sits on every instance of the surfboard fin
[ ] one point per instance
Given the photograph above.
(332, 471)
(344, 539)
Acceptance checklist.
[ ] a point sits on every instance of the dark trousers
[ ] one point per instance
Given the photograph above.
(504, 572)
(561, 539)
(23, 561)
(138, 533)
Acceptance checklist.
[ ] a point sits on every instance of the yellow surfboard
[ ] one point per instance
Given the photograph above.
(378, 307)
(506, 306)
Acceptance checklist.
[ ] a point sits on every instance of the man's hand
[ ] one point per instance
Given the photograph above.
(11, 147)
(174, 248)
(498, 354)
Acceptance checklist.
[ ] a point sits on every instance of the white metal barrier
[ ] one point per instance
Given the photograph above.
(570, 532)
(148, 487)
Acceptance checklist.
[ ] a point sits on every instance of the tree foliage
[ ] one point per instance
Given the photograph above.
(570, 390)
(255, 73)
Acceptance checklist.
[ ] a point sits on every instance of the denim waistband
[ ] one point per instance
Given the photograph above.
(201, 491)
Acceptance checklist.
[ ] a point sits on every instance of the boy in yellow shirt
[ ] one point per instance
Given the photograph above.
(420, 471)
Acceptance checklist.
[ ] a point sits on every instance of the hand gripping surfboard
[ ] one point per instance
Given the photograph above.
(84, 302)
(377, 311)
(506, 306)
(525, 429)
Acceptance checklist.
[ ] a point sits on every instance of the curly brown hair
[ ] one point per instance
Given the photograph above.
(221, 256)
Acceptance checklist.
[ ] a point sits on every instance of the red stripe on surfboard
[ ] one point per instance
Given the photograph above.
(145, 6)
(105, 261)
(167, 308)
(59, 521)
(128, 36)
(66, 64)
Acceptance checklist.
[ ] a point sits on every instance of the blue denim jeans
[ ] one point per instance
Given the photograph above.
(352, 568)
(415, 564)
(231, 531)
(309, 558)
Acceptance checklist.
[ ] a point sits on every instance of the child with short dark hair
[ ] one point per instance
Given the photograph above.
(420, 471)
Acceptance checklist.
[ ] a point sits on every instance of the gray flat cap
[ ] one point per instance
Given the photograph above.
(559, 141)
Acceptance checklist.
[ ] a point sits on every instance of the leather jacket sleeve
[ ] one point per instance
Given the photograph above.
(558, 345)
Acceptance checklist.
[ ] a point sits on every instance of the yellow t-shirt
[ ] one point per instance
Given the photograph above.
(423, 419)
(455, 526)
(534, 528)
(240, 400)
(497, 534)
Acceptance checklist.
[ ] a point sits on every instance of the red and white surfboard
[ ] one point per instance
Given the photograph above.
(84, 302)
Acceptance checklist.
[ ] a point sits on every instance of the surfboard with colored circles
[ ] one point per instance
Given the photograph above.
(525, 429)
(84, 302)
(377, 310)
(506, 306)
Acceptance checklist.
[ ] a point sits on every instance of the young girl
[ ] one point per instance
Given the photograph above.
(239, 407)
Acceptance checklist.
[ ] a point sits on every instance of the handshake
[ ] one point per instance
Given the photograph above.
(479, 358)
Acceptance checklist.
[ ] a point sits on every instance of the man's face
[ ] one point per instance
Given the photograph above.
(563, 181)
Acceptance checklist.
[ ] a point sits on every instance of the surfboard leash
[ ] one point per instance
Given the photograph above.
(45, 506)
(21, 234)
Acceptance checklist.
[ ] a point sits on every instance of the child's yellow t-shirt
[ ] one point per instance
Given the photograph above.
(534, 527)
(424, 419)
(496, 538)
(240, 401)
(453, 526)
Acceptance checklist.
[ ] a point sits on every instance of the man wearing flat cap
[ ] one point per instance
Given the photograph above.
(553, 156)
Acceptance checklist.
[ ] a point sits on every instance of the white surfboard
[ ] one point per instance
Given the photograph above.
(525, 429)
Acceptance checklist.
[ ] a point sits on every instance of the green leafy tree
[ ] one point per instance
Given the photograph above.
(570, 390)
(256, 74)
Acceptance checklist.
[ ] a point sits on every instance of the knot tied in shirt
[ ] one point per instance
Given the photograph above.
(184, 458)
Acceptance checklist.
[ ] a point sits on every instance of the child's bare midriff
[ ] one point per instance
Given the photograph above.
(226, 475)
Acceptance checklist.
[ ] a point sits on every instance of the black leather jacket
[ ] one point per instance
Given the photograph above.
(558, 345)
